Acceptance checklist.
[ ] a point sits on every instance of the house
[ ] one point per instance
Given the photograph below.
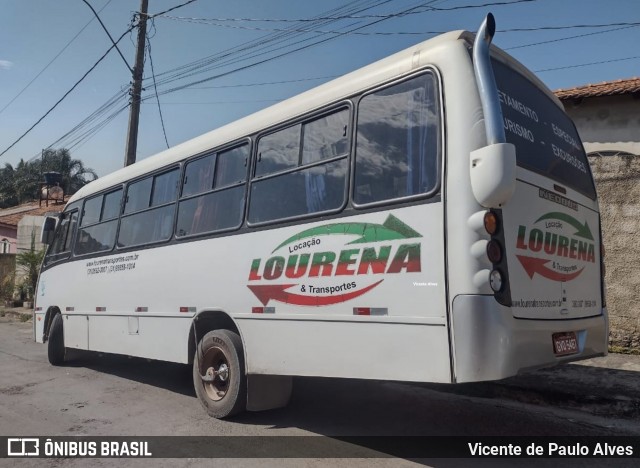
(17, 227)
(607, 116)
(18, 223)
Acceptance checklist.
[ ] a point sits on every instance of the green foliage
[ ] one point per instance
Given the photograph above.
(30, 262)
(20, 184)
(7, 287)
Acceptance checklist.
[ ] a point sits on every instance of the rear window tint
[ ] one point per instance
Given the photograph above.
(546, 139)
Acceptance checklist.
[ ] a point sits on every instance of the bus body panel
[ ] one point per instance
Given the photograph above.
(356, 349)
(162, 338)
(553, 253)
(333, 275)
(492, 344)
(76, 331)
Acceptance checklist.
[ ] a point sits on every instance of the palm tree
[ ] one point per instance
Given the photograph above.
(8, 196)
(26, 178)
(73, 171)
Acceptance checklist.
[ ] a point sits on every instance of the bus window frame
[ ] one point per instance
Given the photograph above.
(344, 104)
(439, 94)
(81, 204)
(51, 259)
(215, 151)
(163, 170)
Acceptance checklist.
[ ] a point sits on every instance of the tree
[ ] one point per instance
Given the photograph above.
(74, 173)
(26, 180)
(30, 262)
(8, 196)
(21, 184)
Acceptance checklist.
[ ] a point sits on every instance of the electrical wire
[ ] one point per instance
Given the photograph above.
(64, 96)
(155, 87)
(568, 38)
(425, 9)
(109, 34)
(587, 64)
(52, 60)
(269, 59)
(74, 138)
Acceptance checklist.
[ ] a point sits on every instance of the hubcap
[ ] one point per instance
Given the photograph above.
(216, 364)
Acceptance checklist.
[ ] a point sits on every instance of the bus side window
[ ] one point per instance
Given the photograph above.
(398, 142)
(221, 205)
(98, 224)
(278, 151)
(318, 183)
(61, 246)
(149, 209)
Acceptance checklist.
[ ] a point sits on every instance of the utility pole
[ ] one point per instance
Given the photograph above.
(136, 87)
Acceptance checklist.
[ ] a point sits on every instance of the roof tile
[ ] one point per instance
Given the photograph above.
(607, 88)
(12, 216)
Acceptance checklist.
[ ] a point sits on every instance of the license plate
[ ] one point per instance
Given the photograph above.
(565, 343)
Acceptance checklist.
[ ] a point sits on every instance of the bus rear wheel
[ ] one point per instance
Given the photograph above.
(55, 349)
(218, 374)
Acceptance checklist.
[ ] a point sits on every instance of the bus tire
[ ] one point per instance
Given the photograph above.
(56, 349)
(220, 355)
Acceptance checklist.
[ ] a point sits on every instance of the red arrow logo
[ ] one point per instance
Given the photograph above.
(277, 292)
(534, 265)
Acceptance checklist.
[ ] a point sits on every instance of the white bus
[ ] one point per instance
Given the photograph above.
(431, 217)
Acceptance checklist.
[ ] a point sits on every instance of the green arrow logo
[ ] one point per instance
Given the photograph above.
(391, 229)
(582, 229)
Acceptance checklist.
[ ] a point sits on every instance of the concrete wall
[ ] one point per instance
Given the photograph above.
(618, 185)
(612, 123)
(27, 225)
(607, 122)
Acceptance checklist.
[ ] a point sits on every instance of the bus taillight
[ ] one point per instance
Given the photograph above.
(498, 278)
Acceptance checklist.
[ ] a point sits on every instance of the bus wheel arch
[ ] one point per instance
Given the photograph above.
(55, 349)
(205, 322)
(48, 320)
(257, 392)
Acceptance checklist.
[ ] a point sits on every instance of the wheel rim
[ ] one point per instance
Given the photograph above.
(215, 363)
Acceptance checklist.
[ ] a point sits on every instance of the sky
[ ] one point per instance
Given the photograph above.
(216, 61)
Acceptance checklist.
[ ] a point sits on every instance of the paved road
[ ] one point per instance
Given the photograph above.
(118, 396)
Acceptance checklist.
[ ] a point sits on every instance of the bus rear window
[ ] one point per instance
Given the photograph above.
(546, 139)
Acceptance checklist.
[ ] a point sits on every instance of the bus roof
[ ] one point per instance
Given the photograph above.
(386, 69)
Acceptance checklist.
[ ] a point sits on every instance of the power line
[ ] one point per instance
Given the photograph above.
(171, 9)
(218, 23)
(65, 95)
(259, 45)
(424, 9)
(108, 34)
(587, 64)
(260, 62)
(119, 97)
(568, 38)
(52, 60)
(251, 85)
(76, 141)
(155, 87)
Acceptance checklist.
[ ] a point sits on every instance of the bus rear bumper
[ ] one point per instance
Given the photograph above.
(490, 344)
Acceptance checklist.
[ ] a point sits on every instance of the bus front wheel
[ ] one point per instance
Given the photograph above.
(218, 374)
(55, 349)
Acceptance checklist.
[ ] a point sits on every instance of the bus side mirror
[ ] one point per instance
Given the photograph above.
(493, 174)
(48, 229)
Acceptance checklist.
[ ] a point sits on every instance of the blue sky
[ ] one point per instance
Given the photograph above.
(33, 34)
